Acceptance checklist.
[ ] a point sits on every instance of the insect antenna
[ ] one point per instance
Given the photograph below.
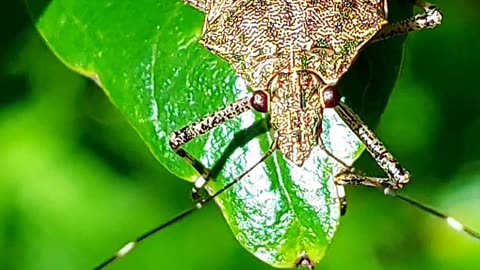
(451, 222)
(127, 248)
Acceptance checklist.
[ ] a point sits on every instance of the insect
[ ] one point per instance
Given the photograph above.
(292, 54)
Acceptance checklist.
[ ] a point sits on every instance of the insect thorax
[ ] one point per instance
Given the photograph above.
(261, 37)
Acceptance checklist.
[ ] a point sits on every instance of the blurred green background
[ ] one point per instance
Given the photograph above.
(76, 181)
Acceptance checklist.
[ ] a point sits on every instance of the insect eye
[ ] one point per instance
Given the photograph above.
(260, 101)
(330, 97)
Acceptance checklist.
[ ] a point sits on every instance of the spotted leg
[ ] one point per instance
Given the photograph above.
(431, 18)
(398, 176)
(194, 130)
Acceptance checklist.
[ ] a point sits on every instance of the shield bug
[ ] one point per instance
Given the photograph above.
(292, 54)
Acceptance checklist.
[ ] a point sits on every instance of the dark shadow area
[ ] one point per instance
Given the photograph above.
(36, 8)
(14, 20)
(240, 139)
(376, 71)
(98, 120)
(13, 88)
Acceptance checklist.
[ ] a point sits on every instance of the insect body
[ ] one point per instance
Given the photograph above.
(292, 53)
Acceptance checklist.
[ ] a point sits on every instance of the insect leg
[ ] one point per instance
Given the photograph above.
(198, 4)
(127, 248)
(431, 18)
(194, 130)
(397, 175)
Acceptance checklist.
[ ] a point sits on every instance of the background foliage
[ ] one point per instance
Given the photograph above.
(76, 181)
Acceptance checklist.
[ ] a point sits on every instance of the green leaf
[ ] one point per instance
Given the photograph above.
(145, 55)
